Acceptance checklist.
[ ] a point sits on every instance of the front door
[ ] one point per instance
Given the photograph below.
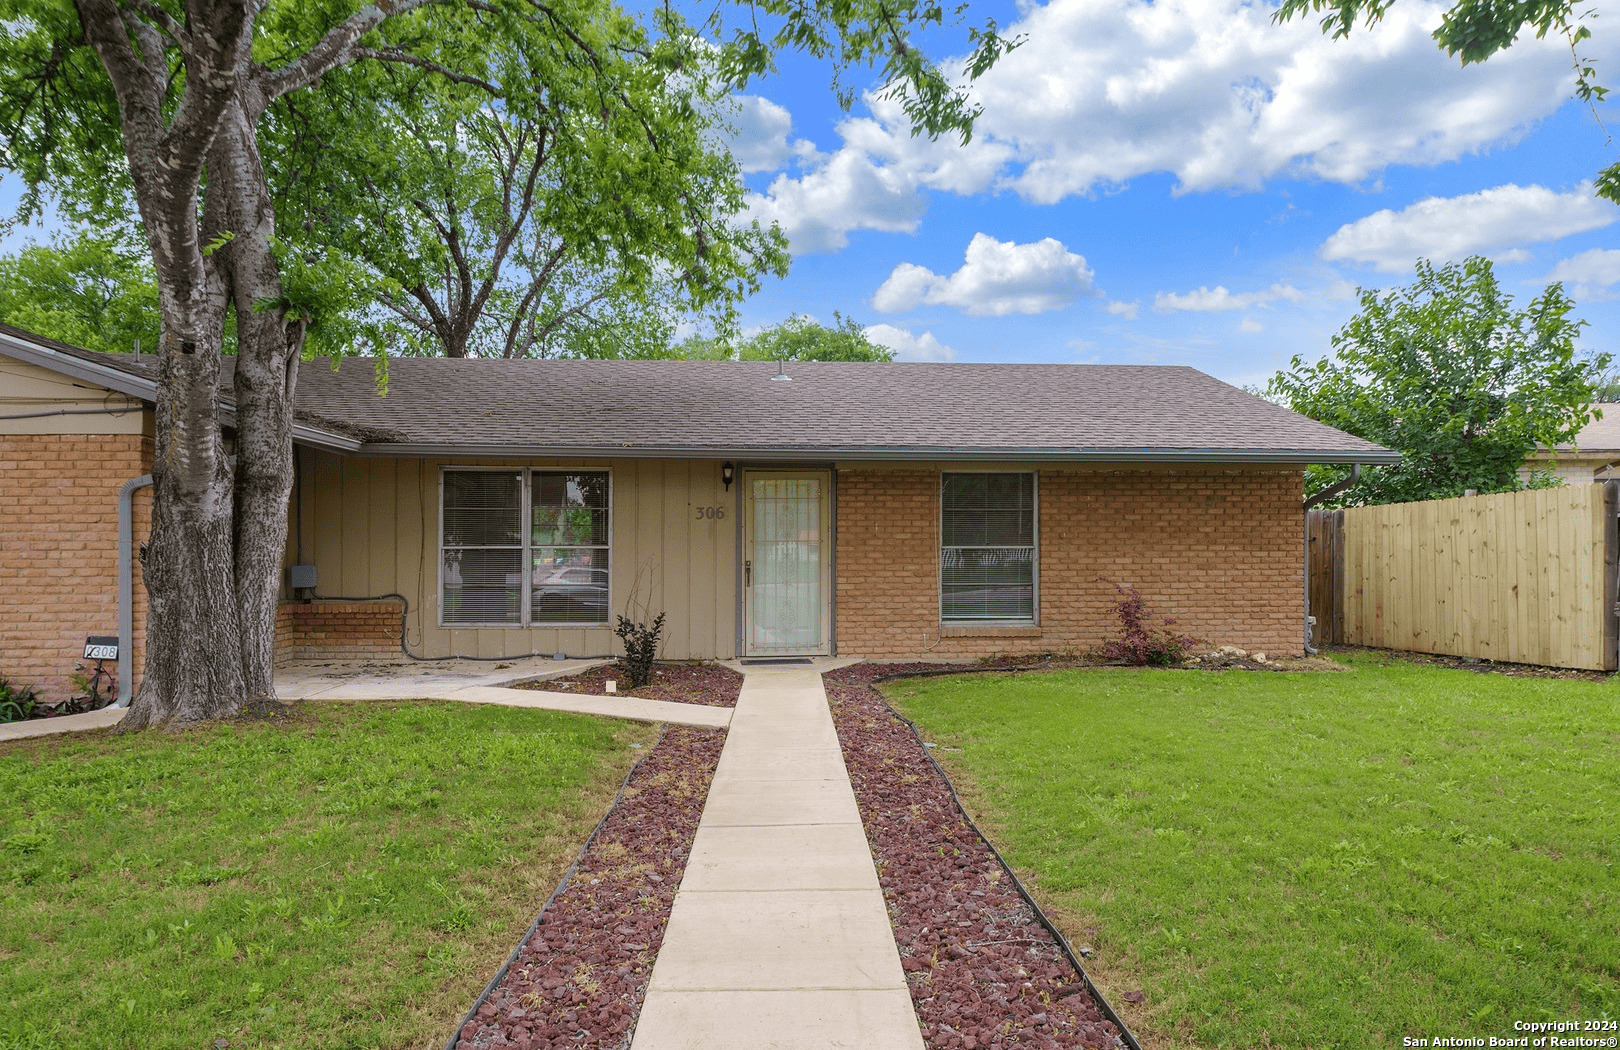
(785, 563)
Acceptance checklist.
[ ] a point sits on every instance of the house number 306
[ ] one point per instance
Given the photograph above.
(715, 513)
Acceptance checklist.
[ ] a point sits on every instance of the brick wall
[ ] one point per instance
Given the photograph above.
(1220, 550)
(338, 630)
(59, 550)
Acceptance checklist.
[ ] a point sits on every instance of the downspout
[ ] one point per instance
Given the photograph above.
(1325, 494)
(126, 587)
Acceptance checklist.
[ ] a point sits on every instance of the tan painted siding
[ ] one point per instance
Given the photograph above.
(371, 526)
(27, 388)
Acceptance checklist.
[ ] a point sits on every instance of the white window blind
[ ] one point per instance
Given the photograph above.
(569, 548)
(987, 548)
(486, 548)
(483, 547)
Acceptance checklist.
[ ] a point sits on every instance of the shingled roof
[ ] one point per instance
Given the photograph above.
(820, 411)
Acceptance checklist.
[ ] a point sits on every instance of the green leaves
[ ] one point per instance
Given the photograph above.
(1446, 372)
(88, 289)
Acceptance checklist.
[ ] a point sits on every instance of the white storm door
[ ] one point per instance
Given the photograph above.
(785, 563)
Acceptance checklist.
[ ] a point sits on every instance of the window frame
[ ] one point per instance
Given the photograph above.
(1034, 619)
(526, 619)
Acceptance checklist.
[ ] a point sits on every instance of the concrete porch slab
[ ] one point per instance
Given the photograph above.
(306, 680)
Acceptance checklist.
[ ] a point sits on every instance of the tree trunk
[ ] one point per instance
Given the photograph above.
(267, 352)
(193, 668)
(214, 563)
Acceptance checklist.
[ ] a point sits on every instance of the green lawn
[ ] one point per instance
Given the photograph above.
(1311, 859)
(350, 877)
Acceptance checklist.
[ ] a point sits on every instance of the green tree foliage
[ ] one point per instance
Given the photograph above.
(1447, 373)
(555, 228)
(88, 289)
(1474, 30)
(799, 338)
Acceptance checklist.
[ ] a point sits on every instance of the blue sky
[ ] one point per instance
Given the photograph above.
(1178, 182)
(1182, 182)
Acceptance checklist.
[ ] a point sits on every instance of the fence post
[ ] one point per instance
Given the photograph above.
(1611, 575)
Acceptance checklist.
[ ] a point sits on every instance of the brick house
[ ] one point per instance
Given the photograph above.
(504, 508)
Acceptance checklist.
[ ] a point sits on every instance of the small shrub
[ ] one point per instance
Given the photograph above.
(17, 702)
(1141, 642)
(640, 648)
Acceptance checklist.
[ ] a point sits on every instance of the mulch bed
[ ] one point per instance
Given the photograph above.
(578, 982)
(707, 684)
(983, 972)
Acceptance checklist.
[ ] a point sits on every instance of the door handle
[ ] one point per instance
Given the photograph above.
(748, 574)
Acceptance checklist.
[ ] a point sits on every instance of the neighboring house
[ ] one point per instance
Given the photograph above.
(1592, 456)
(517, 507)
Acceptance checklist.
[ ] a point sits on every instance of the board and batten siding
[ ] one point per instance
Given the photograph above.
(1521, 577)
(370, 525)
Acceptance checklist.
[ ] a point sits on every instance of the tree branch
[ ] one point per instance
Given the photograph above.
(333, 50)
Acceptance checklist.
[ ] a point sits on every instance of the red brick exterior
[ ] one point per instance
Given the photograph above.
(1220, 550)
(338, 630)
(59, 551)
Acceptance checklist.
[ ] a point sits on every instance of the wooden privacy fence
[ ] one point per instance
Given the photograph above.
(1520, 577)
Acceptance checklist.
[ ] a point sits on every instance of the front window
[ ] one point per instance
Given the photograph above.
(486, 548)
(987, 548)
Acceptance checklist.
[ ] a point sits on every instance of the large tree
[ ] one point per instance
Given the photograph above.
(799, 338)
(1449, 374)
(87, 289)
(555, 229)
(163, 103)
(1474, 30)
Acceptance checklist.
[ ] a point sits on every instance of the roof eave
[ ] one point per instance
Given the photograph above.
(146, 389)
(869, 453)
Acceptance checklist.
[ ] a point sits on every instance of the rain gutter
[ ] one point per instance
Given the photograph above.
(884, 453)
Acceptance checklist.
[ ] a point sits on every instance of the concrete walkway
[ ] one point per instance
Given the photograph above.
(107, 716)
(779, 937)
(475, 686)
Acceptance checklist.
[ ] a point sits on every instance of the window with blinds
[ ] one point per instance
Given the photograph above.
(494, 571)
(987, 548)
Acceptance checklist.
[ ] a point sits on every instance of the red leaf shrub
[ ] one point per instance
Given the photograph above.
(1141, 642)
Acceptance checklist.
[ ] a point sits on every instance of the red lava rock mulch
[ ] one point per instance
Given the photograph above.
(707, 684)
(578, 982)
(983, 972)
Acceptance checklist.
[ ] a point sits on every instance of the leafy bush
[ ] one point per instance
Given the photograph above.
(1140, 641)
(640, 648)
(17, 702)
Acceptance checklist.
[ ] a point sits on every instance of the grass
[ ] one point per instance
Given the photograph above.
(350, 877)
(1310, 860)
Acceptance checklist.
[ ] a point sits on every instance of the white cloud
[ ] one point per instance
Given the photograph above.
(1595, 274)
(996, 278)
(1210, 91)
(1249, 324)
(908, 347)
(758, 135)
(1218, 299)
(1492, 222)
(1125, 310)
(848, 192)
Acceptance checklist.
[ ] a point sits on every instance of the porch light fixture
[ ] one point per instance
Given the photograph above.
(727, 473)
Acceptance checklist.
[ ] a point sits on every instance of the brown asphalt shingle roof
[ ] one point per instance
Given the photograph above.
(484, 407)
(732, 406)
